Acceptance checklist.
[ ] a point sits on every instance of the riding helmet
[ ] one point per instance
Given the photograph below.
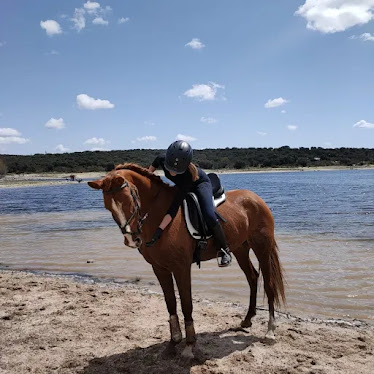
(178, 157)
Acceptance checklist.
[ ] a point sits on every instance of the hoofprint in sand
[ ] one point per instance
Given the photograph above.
(64, 325)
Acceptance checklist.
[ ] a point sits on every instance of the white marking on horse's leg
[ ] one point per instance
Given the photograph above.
(175, 330)
(187, 352)
(271, 328)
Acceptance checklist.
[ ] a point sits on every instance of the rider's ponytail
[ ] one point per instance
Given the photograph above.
(193, 170)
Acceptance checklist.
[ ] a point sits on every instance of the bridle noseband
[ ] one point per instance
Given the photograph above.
(136, 201)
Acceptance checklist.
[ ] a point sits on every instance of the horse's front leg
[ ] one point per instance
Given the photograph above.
(166, 281)
(183, 279)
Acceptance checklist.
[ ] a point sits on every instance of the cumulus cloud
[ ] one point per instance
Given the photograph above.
(186, 138)
(195, 43)
(364, 124)
(51, 27)
(208, 120)
(330, 16)
(100, 21)
(91, 6)
(11, 136)
(79, 19)
(86, 102)
(272, 103)
(62, 149)
(366, 37)
(7, 131)
(146, 139)
(261, 133)
(54, 123)
(292, 127)
(96, 141)
(13, 140)
(123, 20)
(204, 92)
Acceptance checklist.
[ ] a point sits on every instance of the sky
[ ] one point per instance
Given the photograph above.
(113, 75)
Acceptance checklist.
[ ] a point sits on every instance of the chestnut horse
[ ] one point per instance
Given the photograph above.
(138, 200)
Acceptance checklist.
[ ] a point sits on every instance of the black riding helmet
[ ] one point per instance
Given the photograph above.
(178, 157)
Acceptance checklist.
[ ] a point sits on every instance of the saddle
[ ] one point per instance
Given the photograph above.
(194, 218)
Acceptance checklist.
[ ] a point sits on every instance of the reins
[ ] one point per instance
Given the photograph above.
(136, 200)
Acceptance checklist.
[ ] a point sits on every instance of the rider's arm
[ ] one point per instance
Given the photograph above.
(151, 169)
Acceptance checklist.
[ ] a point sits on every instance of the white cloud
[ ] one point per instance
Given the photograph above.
(330, 16)
(91, 6)
(149, 123)
(96, 141)
(261, 133)
(7, 131)
(86, 102)
(53, 52)
(272, 103)
(204, 91)
(195, 43)
(123, 20)
(61, 149)
(208, 120)
(146, 139)
(292, 127)
(13, 140)
(186, 138)
(79, 19)
(54, 123)
(366, 37)
(100, 21)
(51, 27)
(2, 44)
(364, 125)
(283, 111)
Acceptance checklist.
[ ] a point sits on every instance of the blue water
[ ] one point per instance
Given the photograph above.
(333, 203)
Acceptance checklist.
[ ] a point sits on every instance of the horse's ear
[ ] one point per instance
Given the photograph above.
(97, 185)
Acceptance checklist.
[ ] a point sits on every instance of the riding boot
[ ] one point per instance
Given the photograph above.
(224, 251)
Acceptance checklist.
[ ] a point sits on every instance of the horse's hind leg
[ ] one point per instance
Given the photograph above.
(242, 256)
(166, 281)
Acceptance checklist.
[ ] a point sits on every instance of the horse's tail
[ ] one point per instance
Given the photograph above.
(276, 276)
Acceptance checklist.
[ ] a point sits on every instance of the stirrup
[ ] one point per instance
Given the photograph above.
(223, 252)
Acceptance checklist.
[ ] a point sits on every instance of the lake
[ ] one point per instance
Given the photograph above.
(324, 225)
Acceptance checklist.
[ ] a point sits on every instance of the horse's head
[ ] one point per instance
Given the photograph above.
(121, 198)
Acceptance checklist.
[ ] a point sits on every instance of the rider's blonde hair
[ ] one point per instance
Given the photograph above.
(193, 170)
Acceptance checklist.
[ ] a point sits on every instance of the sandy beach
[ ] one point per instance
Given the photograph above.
(51, 179)
(58, 324)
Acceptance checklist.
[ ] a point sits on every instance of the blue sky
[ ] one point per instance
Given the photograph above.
(84, 75)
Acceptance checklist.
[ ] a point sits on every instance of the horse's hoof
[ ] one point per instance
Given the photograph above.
(187, 353)
(169, 351)
(270, 335)
(246, 323)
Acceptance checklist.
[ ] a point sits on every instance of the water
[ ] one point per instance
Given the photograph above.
(324, 228)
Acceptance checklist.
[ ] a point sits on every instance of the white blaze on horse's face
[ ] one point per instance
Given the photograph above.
(121, 219)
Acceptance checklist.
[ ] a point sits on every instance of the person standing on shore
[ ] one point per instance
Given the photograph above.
(188, 177)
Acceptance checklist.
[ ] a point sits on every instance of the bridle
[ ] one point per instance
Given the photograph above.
(136, 201)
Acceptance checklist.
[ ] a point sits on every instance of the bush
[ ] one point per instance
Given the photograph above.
(3, 169)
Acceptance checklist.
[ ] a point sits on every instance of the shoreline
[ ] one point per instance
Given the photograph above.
(69, 325)
(56, 179)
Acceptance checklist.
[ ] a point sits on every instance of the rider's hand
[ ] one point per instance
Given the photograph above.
(156, 236)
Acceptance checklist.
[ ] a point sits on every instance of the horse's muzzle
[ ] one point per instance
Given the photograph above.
(131, 241)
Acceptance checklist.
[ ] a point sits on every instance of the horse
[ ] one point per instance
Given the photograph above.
(138, 200)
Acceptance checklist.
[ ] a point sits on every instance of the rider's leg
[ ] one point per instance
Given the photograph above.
(204, 194)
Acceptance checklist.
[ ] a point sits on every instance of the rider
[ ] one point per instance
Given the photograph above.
(187, 177)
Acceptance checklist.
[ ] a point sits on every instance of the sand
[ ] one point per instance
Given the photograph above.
(57, 324)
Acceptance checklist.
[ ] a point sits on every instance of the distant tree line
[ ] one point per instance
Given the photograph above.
(227, 158)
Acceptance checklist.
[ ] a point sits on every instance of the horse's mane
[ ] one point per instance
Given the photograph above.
(142, 171)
